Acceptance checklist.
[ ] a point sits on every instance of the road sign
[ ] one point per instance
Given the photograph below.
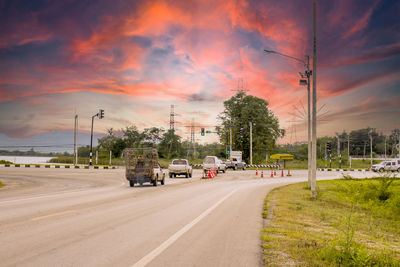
(326, 156)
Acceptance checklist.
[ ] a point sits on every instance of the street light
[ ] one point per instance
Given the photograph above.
(100, 114)
(307, 74)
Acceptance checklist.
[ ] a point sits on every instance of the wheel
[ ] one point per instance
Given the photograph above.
(190, 174)
(174, 175)
(155, 181)
(131, 183)
(170, 175)
(398, 170)
(235, 168)
(163, 181)
(381, 170)
(224, 171)
(244, 168)
(186, 175)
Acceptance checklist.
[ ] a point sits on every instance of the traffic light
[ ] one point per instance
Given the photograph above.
(228, 149)
(241, 132)
(202, 132)
(329, 147)
(101, 113)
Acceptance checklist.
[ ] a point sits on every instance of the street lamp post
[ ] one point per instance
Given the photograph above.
(100, 115)
(308, 74)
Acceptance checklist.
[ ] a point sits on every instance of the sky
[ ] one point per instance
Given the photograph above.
(136, 58)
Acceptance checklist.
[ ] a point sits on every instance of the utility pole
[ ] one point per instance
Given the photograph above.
(339, 154)
(385, 147)
(76, 140)
(370, 137)
(314, 110)
(230, 141)
(110, 157)
(308, 73)
(100, 114)
(251, 143)
(348, 148)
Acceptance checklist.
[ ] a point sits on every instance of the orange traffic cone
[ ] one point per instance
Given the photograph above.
(288, 173)
(282, 175)
(257, 172)
(272, 174)
(209, 174)
(262, 174)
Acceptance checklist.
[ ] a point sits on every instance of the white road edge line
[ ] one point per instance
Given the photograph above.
(153, 254)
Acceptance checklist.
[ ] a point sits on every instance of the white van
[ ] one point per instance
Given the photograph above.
(395, 165)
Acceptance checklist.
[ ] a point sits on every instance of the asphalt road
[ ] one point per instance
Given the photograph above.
(68, 217)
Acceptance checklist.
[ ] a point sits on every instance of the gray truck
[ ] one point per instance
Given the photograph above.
(142, 166)
(235, 161)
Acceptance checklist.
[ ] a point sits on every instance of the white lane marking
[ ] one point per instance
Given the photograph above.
(153, 254)
(59, 194)
(51, 215)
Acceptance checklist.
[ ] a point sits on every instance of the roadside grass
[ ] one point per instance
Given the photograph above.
(353, 222)
(5, 162)
(1, 184)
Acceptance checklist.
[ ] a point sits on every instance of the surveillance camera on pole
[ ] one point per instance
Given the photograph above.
(100, 115)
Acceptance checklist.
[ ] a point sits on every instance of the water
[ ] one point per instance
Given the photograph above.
(26, 160)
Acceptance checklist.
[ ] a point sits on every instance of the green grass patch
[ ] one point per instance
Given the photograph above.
(5, 162)
(353, 222)
(1, 184)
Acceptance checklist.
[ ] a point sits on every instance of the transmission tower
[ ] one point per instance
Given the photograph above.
(172, 118)
(193, 138)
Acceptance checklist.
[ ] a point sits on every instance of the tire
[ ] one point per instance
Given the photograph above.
(398, 170)
(155, 181)
(224, 170)
(235, 168)
(186, 175)
(170, 175)
(244, 168)
(190, 175)
(131, 183)
(174, 175)
(381, 170)
(163, 181)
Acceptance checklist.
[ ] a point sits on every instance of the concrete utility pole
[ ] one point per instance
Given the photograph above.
(370, 137)
(385, 147)
(348, 148)
(110, 157)
(76, 140)
(230, 142)
(251, 143)
(339, 154)
(314, 110)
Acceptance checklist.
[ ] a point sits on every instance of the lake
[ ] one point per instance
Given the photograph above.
(26, 160)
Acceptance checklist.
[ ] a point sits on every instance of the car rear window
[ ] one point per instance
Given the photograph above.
(179, 162)
(209, 160)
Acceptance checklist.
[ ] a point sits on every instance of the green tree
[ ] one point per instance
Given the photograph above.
(239, 111)
(170, 145)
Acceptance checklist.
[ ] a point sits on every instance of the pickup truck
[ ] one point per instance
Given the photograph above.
(212, 162)
(180, 167)
(142, 166)
(235, 164)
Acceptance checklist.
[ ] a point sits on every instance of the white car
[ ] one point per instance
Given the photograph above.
(180, 167)
(395, 165)
(382, 166)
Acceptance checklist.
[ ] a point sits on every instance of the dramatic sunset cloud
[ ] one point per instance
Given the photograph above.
(136, 58)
